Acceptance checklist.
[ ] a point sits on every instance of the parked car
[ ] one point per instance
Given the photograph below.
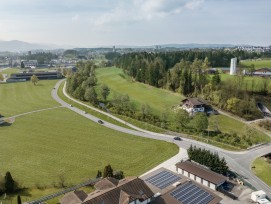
(100, 121)
(177, 138)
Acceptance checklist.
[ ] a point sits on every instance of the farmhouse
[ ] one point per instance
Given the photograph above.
(131, 190)
(193, 105)
(200, 174)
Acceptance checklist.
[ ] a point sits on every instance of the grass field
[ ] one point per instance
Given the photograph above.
(262, 170)
(24, 97)
(229, 125)
(39, 147)
(248, 81)
(258, 63)
(9, 71)
(159, 99)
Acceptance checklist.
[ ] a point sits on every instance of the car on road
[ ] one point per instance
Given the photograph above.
(71, 105)
(100, 121)
(177, 138)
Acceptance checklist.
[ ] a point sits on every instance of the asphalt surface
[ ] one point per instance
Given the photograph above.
(240, 162)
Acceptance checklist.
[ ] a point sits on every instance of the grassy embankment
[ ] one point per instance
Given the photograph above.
(39, 148)
(262, 170)
(161, 100)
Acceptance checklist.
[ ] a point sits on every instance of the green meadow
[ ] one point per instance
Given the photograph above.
(262, 170)
(159, 99)
(258, 63)
(39, 148)
(23, 97)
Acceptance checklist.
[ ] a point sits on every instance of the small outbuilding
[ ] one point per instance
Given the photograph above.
(200, 174)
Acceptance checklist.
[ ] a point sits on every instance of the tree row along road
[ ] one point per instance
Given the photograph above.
(239, 162)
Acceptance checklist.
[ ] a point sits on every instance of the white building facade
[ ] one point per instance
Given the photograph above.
(233, 66)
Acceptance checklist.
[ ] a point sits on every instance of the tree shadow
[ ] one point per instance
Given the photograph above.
(5, 124)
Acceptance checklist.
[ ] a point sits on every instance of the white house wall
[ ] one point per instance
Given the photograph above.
(205, 183)
(212, 186)
(185, 173)
(198, 179)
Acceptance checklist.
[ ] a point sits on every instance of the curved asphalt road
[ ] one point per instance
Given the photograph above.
(239, 162)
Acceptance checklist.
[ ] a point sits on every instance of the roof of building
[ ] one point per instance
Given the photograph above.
(128, 189)
(77, 196)
(106, 183)
(194, 101)
(168, 198)
(264, 69)
(202, 172)
(121, 192)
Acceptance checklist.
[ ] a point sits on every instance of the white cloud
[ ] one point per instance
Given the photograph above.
(139, 10)
(75, 18)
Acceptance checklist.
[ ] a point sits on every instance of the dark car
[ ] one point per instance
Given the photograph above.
(177, 138)
(100, 121)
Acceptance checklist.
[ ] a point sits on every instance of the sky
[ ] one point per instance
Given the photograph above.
(89, 23)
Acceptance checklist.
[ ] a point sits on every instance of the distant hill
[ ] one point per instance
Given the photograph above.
(196, 45)
(178, 46)
(19, 46)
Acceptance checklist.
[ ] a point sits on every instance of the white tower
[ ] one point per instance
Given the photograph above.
(233, 66)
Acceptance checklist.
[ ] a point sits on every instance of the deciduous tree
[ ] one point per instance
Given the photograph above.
(34, 79)
(105, 91)
(200, 122)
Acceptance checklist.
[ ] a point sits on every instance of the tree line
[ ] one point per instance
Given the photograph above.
(188, 73)
(41, 57)
(82, 84)
(209, 159)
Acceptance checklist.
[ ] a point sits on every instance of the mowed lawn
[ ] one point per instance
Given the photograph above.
(258, 63)
(262, 170)
(16, 98)
(37, 148)
(158, 99)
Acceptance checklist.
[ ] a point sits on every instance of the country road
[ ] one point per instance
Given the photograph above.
(239, 162)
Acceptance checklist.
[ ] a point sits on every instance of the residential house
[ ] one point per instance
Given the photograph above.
(131, 190)
(193, 105)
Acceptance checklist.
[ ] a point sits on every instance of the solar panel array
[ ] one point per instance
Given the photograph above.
(163, 179)
(189, 193)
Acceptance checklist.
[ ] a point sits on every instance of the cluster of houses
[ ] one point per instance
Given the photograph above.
(191, 183)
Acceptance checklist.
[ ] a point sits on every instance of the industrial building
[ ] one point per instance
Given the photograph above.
(19, 77)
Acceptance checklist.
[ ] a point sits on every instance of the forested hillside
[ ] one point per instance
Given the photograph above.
(187, 73)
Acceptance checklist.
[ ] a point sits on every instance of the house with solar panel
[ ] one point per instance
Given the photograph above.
(173, 188)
